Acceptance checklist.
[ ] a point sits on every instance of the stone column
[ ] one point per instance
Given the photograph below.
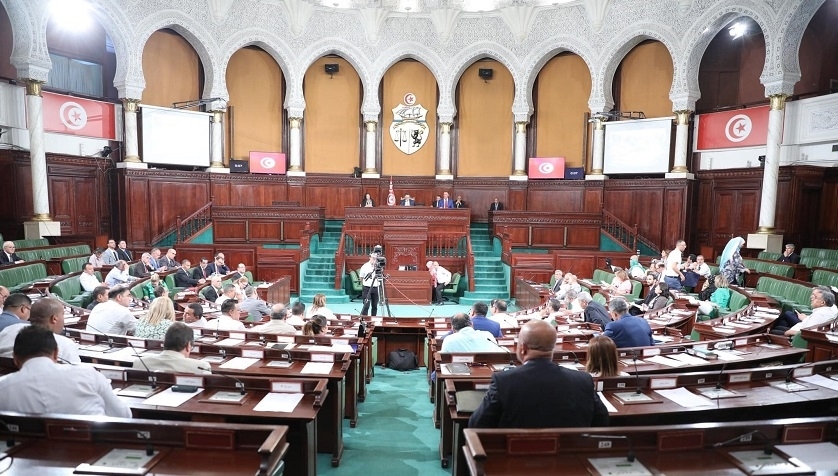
(132, 150)
(444, 170)
(597, 151)
(520, 172)
(295, 167)
(765, 238)
(369, 145)
(217, 141)
(682, 131)
(41, 223)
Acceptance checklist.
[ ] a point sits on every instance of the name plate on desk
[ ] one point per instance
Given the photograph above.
(462, 359)
(87, 336)
(659, 383)
(340, 341)
(322, 357)
(651, 352)
(253, 353)
(140, 343)
(739, 378)
(237, 335)
(113, 374)
(287, 387)
(803, 371)
(740, 342)
(189, 381)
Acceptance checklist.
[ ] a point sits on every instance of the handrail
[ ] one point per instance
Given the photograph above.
(305, 241)
(187, 227)
(469, 263)
(340, 259)
(623, 233)
(506, 245)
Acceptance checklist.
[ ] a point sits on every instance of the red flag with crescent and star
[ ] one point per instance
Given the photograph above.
(79, 117)
(729, 129)
(391, 197)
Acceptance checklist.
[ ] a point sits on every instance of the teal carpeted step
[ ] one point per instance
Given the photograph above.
(320, 270)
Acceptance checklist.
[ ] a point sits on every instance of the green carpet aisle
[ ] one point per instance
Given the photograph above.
(395, 434)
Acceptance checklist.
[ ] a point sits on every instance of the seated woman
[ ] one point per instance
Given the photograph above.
(659, 297)
(720, 297)
(160, 315)
(367, 201)
(316, 326)
(621, 284)
(318, 307)
(153, 282)
(602, 358)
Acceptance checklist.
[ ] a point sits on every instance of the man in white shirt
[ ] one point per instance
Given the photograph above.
(824, 311)
(109, 256)
(44, 386)
(569, 282)
(88, 280)
(298, 311)
(118, 274)
(673, 275)
(440, 278)
(701, 268)
(113, 317)
(500, 316)
(466, 339)
(229, 318)
(177, 344)
(277, 325)
(48, 313)
(229, 292)
(371, 283)
(193, 316)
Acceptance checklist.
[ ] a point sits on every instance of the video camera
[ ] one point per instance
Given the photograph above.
(380, 260)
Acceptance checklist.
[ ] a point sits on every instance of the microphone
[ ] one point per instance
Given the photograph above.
(511, 360)
(151, 377)
(745, 438)
(719, 377)
(629, 457)
(239, 383)
(110, 339)
(10, 440)
(636, 374)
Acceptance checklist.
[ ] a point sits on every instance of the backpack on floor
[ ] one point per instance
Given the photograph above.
(402, 359)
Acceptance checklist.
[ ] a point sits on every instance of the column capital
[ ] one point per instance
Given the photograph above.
(521, 127)
(445, 127)
(33, 87)
(217, 116)
(778, 101)
(682, 117)
(371, 125)
(599, 124)
(295, 122)
(130, 105)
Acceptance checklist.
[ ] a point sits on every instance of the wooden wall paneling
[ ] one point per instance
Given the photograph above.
(531, 267)
(296, 190)
(272, 264)
(478, 195)
(23, 201)
(10, 228)
(220, 192)
(235, 254)
(583, 237)
(593, 197)
(62, 209)
(176, 195)
(517, 198)
(332, 196)
(827, 223)
(556, 200)
(85, 209)
(228, 230)
(548, 236)
(194, 253)
(137, 225)
(265, 231)
(256, 193)
(674, 219)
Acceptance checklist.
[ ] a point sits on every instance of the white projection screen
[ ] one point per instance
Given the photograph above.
(175, 137)
(638, 146)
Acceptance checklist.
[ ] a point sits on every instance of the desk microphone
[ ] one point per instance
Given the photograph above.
(629, 457)
(10, 441)
(719, 377)
(745, 438)
(636, 373)
(110, 339)
(151, 377)
(239, 383)
(790, 373)
(511, 360)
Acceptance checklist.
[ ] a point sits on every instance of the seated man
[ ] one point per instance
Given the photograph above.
(8, 256)
(218, 266)
(229, 318)
(440, 277)
(215, 289)
(627, 330)
(15, 310)
(143, 268)
(496, 205)
(113, 316)
(168, 261)
(47, 313)
(96, 259)
(701, 268)
(99, 295)
(201, 271)
(241, 271)
(277, 325)
(177, 344)
(569, 283)
(228, 291)
(445, 201)
(184, 278)
(824, 311)
(118, 274)
(789, 256)
(459, 203)
(480, 322)
(88, 279)
(558, 280)
(407, 201)
(594, 312)
(465, 339)
(500, 316)
(539, 393)
(253, 306)
(122, 251)
(44, 386)
(110, 256)
(193, 316)
(298, 312)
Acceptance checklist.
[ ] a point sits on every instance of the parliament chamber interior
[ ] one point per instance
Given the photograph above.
(338, 237)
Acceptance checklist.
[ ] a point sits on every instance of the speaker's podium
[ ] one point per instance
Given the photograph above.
(404, 247)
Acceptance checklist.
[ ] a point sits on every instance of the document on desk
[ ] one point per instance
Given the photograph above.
(229, 342)
(168, 398)
(124, 459)
(757, 462)
(618, 466)
(339, 348)
(727, 355)
(685, 398)
(818, 456)
(319, 368)
(611, 408)
(821, 381)
(688, 359)
(659, 359)
(239, 363)
(724, 330)
(279, 402)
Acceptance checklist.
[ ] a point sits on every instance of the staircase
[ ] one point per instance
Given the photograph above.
(320, 273)
(490, 282)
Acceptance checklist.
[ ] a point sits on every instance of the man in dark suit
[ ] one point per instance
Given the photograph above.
(407, 201)
(593, 311)
(8, 256)
(143, 268)
(445, 201)
(539, 393)
(183, 277)
(201, 271)
(496, 205)
(459, 203)
(168, 261)
(122, 251)
(627, 330)
(789, 256)
(218, 266)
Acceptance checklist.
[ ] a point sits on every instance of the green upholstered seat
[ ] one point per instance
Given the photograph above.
(451, 291)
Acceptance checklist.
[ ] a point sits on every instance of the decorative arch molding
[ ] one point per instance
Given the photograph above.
(347, 51)
(29, 47)
(197, 36)
(544, 52)
(615, 51)
(408, 50)
(270, 43)
(465, 58)
(792, 22)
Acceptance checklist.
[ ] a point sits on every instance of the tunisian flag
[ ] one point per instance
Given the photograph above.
(391, 197)
(546, 168)
(267, 162)
(77, 116)
(739, 128)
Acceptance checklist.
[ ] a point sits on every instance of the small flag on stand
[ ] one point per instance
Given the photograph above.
(391, 197)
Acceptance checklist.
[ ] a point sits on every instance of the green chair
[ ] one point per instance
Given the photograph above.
(451, 291)
(356, 285)
(598, 297)
(170, 283)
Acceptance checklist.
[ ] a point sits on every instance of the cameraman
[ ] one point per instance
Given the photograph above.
(371, 281)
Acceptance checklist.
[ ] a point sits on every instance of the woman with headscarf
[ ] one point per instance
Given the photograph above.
(730, 262)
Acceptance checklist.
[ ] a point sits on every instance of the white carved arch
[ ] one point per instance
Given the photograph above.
(347, 51)
(616, 50)
(267, 41)
(29, 43)
(793, 19)
(417, 51)
(197, 36)
(465, 58)
(544, 52)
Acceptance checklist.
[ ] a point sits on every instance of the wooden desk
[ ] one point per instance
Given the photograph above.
(822, 342)
(700, 448)
(274, 292)
(407, 287)
(402, 333)
(529, 294)
(58, 444)
(753, 319)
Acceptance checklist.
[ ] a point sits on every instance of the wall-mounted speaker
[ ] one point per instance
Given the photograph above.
(485, 73)
(332, 68)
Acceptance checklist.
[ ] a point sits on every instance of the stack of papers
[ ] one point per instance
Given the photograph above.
(279, 402)
(168, 398)
(320, 368)
(239, 363)
(685, 398)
